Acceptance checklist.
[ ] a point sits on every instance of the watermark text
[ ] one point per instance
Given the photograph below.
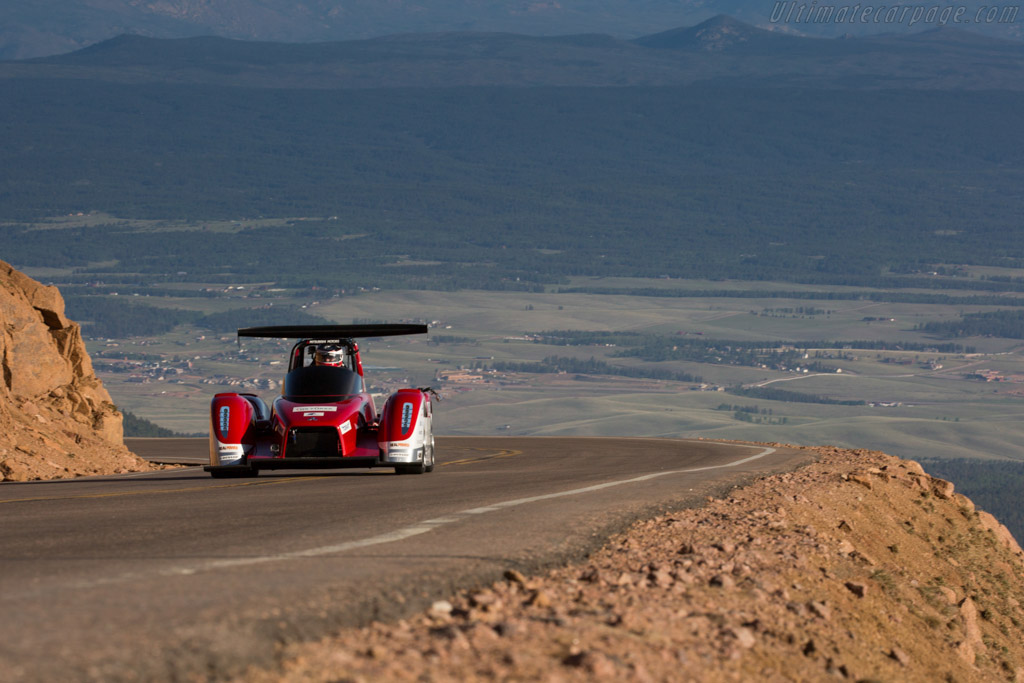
(800, 12)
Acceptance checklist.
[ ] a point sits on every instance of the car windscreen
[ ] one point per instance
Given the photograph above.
(320, 382)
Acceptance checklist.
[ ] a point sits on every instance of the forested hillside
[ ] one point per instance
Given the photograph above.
(511, 187)
(1008, 324)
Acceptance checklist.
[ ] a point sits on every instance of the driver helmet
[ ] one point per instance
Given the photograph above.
(331, 355)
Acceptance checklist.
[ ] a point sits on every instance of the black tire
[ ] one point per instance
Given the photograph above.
(235, 474)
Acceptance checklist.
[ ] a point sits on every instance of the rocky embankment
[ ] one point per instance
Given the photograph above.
(857, 567)
(56, 419)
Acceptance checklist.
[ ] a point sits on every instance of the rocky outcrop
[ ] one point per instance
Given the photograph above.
(56, 419)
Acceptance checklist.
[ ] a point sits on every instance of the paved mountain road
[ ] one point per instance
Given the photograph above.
(174, 575)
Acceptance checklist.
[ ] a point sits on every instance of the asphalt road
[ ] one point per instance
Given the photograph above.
(174, 575)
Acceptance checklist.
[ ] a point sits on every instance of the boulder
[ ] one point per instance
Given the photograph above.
(56, 419)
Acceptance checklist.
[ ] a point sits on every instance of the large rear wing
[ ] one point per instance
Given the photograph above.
(331, 331)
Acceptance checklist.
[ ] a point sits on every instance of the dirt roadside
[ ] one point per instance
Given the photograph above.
(859, 567)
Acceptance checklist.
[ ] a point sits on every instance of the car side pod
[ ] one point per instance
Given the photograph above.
(405, 435)
(232, 423)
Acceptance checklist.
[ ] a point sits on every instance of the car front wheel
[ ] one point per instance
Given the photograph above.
(239, 473)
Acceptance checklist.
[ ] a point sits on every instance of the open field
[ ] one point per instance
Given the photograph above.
(927, 402)
(94, 219)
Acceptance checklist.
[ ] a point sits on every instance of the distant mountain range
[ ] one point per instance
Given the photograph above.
(34, 28)
(506, 160)
(721, 50)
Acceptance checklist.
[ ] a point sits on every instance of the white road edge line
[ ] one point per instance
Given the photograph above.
(431, 524)
(392, 536)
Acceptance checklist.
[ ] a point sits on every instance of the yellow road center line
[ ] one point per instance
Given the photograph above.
(505, 453)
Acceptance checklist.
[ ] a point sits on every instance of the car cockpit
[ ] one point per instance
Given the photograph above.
(336, 353)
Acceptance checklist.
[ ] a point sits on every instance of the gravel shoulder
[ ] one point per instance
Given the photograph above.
(857, 566)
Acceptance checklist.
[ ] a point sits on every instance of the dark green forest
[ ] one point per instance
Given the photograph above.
(1009, 324)
(135, 426)
(832, 295)
(513, 187)
(230, 321)
(679, 347)
(121, 317)
(773, 394)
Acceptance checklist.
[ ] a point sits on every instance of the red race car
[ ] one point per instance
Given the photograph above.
(325, 417)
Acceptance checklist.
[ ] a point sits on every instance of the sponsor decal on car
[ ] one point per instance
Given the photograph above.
(406, 416)
(345, 427)
(229, 453)
(400, 456)
(316, 409)
(225, 419)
